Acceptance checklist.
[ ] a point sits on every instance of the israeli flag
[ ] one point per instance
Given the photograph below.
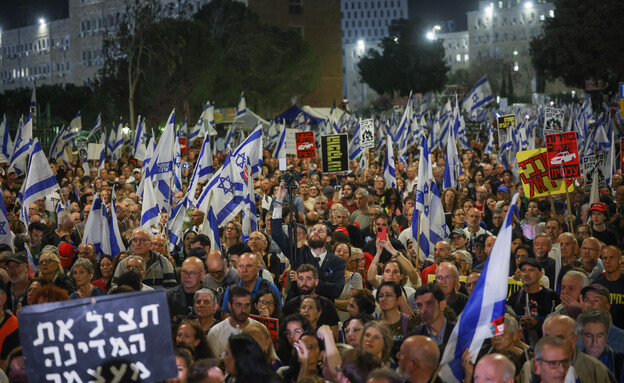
(112, 138)
(96, 127)
(208, 119)
(280, 148)
(162, 164)
(75, 126)
(250, 216)
(139, 140)
(151, 147)
(56, 149)
(196, 131)
(478, 97)
(484, 312)
(31, 260)
(428, 217)
(203, 169)
(176, 222)
(489, 148)
(242, 106)
(389, 173)
(97, 229)
(23, 143)
(6, 235)
(118, 143)
(116, 243)
(355, 149)
(452, 166)
(102, 162)
(250, 149)
(6, 145)
(177, 164)
(40, 180)
(150, 211)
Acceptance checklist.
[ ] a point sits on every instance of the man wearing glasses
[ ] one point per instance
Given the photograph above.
(180, 298)
(447, 277)
(159, 271)
(590, 258)
(546, 364)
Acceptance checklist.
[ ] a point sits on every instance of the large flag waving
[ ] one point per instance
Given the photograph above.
(203, 169)
(389, 173)
(6, 145)
(96, 230)
(478, 97)
(6, 235)
(116, 243)
(23, 142)
(40, 180)
(428, 223)
(484, 312)
(139, 140)
(452, 166)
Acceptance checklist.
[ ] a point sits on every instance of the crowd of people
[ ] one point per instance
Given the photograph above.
(335, 263)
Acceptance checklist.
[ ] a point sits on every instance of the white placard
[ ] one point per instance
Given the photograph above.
(93, 151)
(290, 141)
(553, 120)
(367, 133)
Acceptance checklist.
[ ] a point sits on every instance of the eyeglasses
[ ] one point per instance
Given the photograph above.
(266, 303)
(133, 268)
(253, 239)
(386, 296)
(497, 218)
(556, 363)
(47, 261)
(588, 249)
(294, 332)
(444, 278)
(139, 240)
(358, 260)
(215, 273)
(230, 228)
(192, 274)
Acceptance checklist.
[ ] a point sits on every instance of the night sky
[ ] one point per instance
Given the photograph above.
(14, 13)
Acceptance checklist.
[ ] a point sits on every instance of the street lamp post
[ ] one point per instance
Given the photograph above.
(431, 35)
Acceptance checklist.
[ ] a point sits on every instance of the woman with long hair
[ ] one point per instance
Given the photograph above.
(193, 336)
(393, 203)
(260, 333)
(245, 362)
(290, 330)
(266, 305)
(232, 234)
(400, 324)
(353, 279)
(377, 339)
(107, 271)
(50, 269)
(311, 308)
(310, 351)
(450, 202)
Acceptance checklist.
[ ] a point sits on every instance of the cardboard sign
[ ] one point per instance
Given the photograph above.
(592, 164)
(367, 134)
(305, 144)
(563, 157)
(533, 168)
(121, 337)
(335, 153)
(271, 324)
(505, 124)
(289, 140)
(553, 120)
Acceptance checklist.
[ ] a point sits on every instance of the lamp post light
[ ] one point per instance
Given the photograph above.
(431, 35)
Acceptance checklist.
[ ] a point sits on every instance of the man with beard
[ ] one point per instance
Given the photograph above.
(330, 267)
(307, 283)
(348, 198)
(17, 268)
(239, 304)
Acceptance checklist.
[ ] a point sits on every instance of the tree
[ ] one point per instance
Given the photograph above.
(409, 62)
(582, 42)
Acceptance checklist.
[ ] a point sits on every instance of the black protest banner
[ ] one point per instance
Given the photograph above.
(335, 153)
(121, 337)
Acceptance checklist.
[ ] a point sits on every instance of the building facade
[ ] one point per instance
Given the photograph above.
(364, 24)
(456, 51)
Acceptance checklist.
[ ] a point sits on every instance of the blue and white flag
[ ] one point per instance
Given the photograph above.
(489, 148)
(6, 145)
(242, 106)
(75, 126)
(208, 119)
(57, 146)
(40, 180)
(150, 211)
(250, 150)
(31, 260)
(250, 215)
(151, 147)
(452, 166)
(478, 97)
(162, 163)
(6, 235)
(203, 168)
(211, 228)
(139, 140)
(196, 131)
(97, 230)
(23, 143)
(116, 243)
(280, 148)
(176, 222)
(177, 164)
(389, 173)
(96, 127)
(428, 217)
(483, 315)
(110, 143)
(85, 166)
(224, 192)
(229, 138)
(118, 143)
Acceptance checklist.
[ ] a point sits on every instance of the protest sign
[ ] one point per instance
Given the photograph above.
(290, 141)
(505, 125)
(592, 164)
(335, 153)
(121, 337)
(553, 120)
(271, 324)
(93, 151)
(367, 134)
(563, 158)
(533, 167)
(473, 128)
(305, 144)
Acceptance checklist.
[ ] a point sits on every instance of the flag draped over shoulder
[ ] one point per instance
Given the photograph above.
(478, 97)
(484, 312)
(428, 218)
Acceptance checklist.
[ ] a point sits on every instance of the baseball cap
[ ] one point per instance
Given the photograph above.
(600, 289)
(460, 232)
(502, 188)
(18, 258)
(598, 206)
(532, 262)
(66, 254)
(136, 170)
(480, 240)
(342, 230)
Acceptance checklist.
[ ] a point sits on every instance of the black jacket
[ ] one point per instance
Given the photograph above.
(331, 272)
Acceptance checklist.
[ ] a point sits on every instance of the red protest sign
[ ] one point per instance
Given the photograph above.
(563, 157)
(271, 324)
(305, 144)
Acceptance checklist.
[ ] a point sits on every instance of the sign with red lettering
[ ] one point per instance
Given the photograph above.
(563, 157)
(271, 324)
(533, 169)
(305, 144)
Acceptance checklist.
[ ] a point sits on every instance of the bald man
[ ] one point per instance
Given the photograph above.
(180, 298)
(588, 368)
(219, 275)
(494, 368)
(590, 258)
(418, 359)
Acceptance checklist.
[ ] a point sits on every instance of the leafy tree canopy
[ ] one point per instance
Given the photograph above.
(582, 42)
(408, 61)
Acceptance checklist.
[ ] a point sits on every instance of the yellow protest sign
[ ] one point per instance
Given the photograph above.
(533, 167)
